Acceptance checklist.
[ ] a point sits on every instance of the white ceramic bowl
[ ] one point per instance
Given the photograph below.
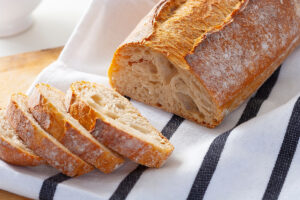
(15, 16)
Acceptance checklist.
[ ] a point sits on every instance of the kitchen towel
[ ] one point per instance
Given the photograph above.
(253, 154)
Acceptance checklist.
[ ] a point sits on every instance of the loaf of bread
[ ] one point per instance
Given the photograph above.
(47, 107)
(202, 59)
(12, 148)
(40, 141)
(117, 124)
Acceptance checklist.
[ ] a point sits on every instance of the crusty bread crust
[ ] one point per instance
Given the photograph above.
(11, 153)
(138, 151)
(80, 110)
(53, 121)
(231, 53)
(43, 144)
(17, 156)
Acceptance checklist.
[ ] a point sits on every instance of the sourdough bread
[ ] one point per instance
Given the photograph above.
(47, 107)
(113, 120)
(12, 148)
(40, 141)
(202, 59)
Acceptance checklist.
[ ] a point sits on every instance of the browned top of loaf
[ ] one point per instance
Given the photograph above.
(199, 35)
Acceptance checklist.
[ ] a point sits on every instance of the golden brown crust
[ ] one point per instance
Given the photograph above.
(54, 121)
(43, 144)
(80, 110)
(17, 156)
(161, 31)
(46, 115)
(131, 147)
(231, 47)
(12, 149)
(245, 49)
(125, 144)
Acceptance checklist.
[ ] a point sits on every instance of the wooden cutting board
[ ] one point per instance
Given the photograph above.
(17, 73)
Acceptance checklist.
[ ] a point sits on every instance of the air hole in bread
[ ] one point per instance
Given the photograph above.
(158, 105)
(154, 82)
(139, 128)
(215, 120)
(168, 71)
(206, 103)
(120, 106)
(152, 68)
(136, 62)
(187, 102)
(179, 84)
(111, 115)
(97, 99)
(126, 57)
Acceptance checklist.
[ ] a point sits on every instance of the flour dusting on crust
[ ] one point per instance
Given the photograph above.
(223, 62)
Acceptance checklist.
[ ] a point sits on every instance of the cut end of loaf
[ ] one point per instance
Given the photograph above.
(222, 52)
(146, 75)
(117, 124)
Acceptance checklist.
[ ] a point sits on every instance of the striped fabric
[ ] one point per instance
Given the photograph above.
(214, 152)
(253, 154)
(202, 154)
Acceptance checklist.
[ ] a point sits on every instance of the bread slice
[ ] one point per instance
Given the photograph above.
(47, 107)
(12, 148)
(117, 124)
(40, 141)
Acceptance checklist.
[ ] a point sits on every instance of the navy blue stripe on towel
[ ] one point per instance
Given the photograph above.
(212, 157)
(130, 180)
(50, 184)
(285, 156)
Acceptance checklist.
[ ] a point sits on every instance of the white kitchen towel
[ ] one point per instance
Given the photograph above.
(253, 154)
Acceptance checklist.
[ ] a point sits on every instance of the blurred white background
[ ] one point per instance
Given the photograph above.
(54, 21)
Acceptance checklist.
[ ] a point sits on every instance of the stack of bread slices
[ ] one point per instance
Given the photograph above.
(90, 127)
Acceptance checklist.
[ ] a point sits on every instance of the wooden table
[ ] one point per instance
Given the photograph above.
(16, 75)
